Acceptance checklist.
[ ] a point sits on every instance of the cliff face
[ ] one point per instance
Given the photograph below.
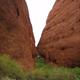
(16, 36)
(60, 41)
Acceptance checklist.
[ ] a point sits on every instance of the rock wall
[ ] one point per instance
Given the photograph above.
(60, 41)
(16, 36)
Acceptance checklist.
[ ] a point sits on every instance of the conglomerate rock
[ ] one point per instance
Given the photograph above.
(60, 40)
(16, 36)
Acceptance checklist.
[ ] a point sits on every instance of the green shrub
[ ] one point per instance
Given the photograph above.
(10, 68)
(44, 71)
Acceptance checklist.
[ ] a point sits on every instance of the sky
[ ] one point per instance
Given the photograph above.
(38, 11)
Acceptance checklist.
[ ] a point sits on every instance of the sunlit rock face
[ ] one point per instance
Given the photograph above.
(16, 36)
(60, 41)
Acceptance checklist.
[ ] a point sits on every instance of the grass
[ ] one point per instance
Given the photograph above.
(10, 70)
(44, 71)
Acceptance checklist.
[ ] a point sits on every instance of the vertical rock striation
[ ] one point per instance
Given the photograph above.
(60, 41)
(16, 36)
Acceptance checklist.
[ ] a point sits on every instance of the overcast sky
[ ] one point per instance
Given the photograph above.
(38, 11)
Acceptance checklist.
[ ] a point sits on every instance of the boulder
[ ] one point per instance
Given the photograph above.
(60, 40)
(16, 35)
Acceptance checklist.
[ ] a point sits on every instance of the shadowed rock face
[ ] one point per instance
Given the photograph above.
(60, 41)
(16, 36)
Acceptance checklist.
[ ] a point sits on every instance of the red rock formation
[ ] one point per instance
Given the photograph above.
(16, 36)
(60, 41)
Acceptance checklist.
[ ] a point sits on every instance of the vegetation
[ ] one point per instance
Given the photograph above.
(47, 72)
(10, 70)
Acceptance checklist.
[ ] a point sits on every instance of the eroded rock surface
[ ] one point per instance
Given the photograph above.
(60, 41)
(16, 36)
